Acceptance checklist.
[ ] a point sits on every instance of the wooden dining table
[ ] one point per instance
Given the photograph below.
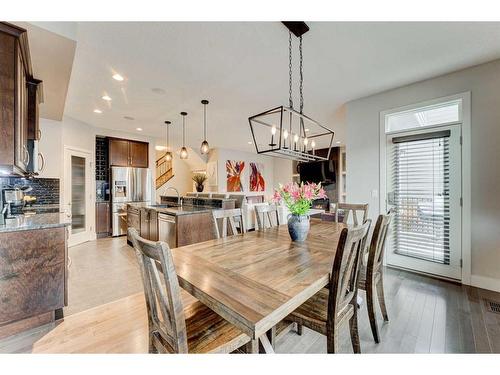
(256, 279)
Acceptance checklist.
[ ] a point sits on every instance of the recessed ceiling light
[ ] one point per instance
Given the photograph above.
(118, 77)
(307, 130)
(138, 129)
(249, 143)
(106, 97)
(97, 111)
(158, 91)
(128, 118)
(338, 142)
(160, 148)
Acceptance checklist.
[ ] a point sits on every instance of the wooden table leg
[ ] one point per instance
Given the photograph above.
(266, 344)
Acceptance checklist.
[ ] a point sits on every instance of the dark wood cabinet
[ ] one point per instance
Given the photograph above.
(18, 100)
(126, 153)
(138, 152)
(102, 220)
(133, 220)
(149, 224)
(33, 277)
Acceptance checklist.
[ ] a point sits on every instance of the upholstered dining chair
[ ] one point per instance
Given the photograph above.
(371, 275)
(266, 210)
(331, 307)
(224, 222)
(351, 210)
(173, 327)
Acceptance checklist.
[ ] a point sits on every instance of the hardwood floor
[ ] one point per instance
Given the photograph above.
(106, 313)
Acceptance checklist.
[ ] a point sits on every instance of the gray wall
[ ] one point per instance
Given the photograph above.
(483, 81)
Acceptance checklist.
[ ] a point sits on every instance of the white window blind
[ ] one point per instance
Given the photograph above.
(441, 113)
(420, 196)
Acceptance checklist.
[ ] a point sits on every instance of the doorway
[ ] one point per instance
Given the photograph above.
(78, 194)
(423, 182)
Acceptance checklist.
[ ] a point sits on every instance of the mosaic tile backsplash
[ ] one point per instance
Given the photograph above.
(46, 190)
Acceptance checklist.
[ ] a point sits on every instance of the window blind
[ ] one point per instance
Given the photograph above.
(420, 197)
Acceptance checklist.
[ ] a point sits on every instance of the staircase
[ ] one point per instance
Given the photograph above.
(164, 171)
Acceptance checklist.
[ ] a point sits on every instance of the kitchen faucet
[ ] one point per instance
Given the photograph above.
(178, 195)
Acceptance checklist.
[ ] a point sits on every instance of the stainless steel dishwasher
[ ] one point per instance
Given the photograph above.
(167, 229)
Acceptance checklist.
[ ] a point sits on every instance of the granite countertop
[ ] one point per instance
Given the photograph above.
(38, 221)
(180, 210)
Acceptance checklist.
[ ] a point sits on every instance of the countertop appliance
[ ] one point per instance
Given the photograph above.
(128, 185)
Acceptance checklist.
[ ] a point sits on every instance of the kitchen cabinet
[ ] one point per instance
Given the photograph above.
(33, 278)
(127, 153)
(149, 224)
(133, 220)
(16, 100)
(102, 225)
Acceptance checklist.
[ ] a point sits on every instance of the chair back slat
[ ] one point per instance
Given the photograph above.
(352, 209)
(343, 283)
(224, 222)
(262, 211)
(163, 300)
(377, 243)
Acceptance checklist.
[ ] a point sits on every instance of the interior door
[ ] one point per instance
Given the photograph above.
(78, 194)
(424, 184)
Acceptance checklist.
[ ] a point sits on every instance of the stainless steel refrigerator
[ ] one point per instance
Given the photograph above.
(128, 185)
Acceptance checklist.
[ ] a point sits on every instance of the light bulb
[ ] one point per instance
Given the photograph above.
(273, 130)
(296, 138)
(168, 156)
(313, 144)
(204, 147)
(306, 141)
(184, 153)
(285, 134)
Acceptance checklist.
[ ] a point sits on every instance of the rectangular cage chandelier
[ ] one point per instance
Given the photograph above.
(285, 132)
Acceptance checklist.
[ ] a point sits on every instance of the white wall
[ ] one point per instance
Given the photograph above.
(362, 119)
(282, 171)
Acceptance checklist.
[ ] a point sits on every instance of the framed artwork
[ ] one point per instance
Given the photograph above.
(234, 174)
(257, 181)
(212, 173)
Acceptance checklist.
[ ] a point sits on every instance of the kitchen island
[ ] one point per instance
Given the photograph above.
(177, 225)
(33, 270)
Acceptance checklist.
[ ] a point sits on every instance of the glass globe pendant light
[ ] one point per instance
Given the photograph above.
(204, 145)
(184, 151)
(168, 154)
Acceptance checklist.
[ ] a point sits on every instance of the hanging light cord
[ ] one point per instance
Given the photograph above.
(290, 99)
(184, 131)
(204, 122)
(167, 138)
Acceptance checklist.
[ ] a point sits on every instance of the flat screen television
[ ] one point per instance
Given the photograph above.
(317, 171)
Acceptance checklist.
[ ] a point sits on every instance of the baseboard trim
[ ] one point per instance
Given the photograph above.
(485, 283)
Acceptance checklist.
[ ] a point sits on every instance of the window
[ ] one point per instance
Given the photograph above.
(438, 114)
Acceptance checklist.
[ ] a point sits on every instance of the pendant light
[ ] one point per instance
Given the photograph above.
(281, 130)
(184, 151)
(168, 154)
(204, 145)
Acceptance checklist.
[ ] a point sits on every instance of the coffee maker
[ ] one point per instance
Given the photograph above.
(12, 197)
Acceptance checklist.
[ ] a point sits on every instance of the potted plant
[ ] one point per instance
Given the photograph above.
(199, 179)
(298, 199)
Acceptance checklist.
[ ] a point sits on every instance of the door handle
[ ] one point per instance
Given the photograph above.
(40, 155)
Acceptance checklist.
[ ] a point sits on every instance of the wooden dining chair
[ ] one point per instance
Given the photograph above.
(174, 328)
(266, 210)
(347, 209)
(336, 305)
(371, 275)
(224, 217)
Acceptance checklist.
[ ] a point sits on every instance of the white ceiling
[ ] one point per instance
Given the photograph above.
(242, 69)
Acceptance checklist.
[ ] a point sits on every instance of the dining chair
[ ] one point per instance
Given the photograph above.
(266, 210)
(174, 328)
(371, 278)
(349, 208)
(224, 217)
(335, 305)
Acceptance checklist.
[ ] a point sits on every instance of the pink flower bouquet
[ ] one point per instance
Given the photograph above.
(298, 198)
